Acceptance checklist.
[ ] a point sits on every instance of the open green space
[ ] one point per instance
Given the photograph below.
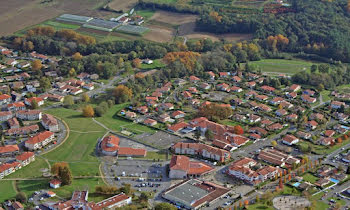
(155, 65)
(145, 13)
(163, 1)
(282, 66)
(79, 149)
(33, 170)
(320, 204)
(310, 178)
(326, 95)
(29, 187)
(258, 206)
(8, 191)
(116, 123)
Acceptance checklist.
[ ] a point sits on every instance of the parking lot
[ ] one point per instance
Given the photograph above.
(142, 175)
(160, 138)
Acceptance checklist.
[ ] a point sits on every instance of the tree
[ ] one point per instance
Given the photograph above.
(144, 196)
(164, 206)
(45, 83)
(209, 134)
(88, 111)
(348, 170)
(314, 68)
(246, 203)
(280, 184)
(37, 65)
(126, 188)
(34, 104)
(66, 176)
(257, 198)
(122, 93)
(77, 56)
(238, 130)
(21, 197)
(339, 140)
(85, 97)
(62, 171)
(68, 101)
(136, 63)
(274, 143)
(72, 72)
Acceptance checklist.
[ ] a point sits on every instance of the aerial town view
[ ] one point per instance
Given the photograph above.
(174, 104)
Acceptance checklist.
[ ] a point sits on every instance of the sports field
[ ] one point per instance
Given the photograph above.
(281, 66)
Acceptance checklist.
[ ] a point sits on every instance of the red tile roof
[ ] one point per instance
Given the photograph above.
(9, 148)
(4, 97)
(110, 143)
(40, 137)
(179, 162)
(128, 151)
(24, 156)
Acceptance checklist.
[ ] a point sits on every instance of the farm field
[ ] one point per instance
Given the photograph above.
(122, 5)
(281, 66)
(17, 15)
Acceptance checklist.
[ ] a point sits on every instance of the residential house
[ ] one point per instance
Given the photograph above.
(25, 130)
(13, 123)
(40, 140)
(150, 122)
(8, 150)
(5, 99)
(55, 183)
(5, 115)
(178, 114)
(337, 104)
(29, 115)
(312, 124)
(178, 127)
(303, 135)
(290, 140)
(308, 99)
(25, 158)
(38, 100)
(50, 123)
(277, 158)
(294, 88)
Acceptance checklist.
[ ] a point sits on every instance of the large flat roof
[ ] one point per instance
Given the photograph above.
(186, 193)
(103, 23)
(74, 18)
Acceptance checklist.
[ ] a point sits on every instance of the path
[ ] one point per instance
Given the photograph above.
(321, 102)
(102, 125)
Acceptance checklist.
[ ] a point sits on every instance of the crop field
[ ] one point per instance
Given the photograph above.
(138, 30)
(281, 66)
(122, 5)
(20, 14)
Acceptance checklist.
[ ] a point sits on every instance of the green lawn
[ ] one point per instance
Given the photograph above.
(155, 65)
(79, 148)
(282, 66)
(32, 170)
(29, 187)
(258, 206)
(7, 190)
(326, 95)
(146, 13)
(116, 123)
(319, 203)
(310, 178)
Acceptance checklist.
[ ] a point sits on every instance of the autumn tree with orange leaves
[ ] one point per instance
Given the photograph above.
(189, 59)
(278, 42)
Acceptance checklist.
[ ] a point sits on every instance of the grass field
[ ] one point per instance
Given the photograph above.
(29, 187)
(155, 65)
(282, 66)
(7, 190)
(310, 178)
(79, 149)
(116, 123)
(146, 13)
(258, 206)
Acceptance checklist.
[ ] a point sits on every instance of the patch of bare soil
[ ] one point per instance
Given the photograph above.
(159, 33)
(173, 18)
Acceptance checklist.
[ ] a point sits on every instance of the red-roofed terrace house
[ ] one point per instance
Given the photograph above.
(25, 158)
(40, 140)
